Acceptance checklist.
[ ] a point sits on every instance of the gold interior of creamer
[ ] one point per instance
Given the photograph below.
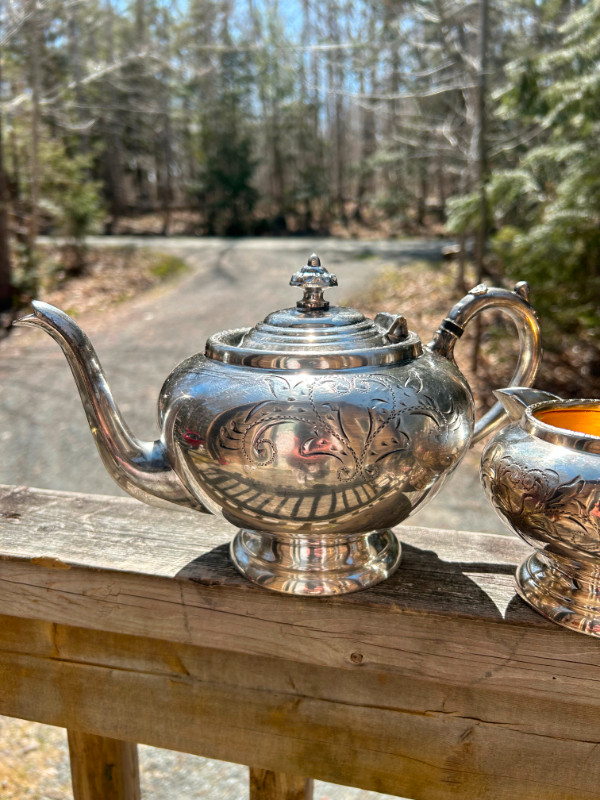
(579, 420)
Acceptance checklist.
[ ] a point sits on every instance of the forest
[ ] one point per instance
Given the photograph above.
(478, 119)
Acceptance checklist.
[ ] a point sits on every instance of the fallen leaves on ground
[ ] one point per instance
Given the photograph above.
(114, 275)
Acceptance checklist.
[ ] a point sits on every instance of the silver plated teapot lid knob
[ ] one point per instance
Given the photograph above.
(313, 278)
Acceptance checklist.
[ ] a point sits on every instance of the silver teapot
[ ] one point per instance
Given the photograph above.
(314, 432)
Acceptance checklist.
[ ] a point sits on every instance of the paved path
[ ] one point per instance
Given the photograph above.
(44, 438)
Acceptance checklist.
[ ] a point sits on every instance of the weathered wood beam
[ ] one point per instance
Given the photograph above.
(390, 733)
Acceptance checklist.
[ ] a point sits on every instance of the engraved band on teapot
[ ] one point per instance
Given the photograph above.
(224, 347)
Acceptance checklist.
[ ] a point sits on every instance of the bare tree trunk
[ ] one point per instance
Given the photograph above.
(365, 152)
(279, 176)
(140, 21)
(270, 114)
(166, 132)
(339, 139)
(392, 172)
(167, 193)
(441, 181)
(423, 188)
(34, 62)
(113, 152)
(277, 160)
(368, 134)
(459, 283)
(482, 165)
(6, 289)
(306, 136)
(340, 158)
(318, 103)
(75, 57)
(189, 161)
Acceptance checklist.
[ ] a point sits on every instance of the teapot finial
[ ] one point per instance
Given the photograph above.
(314, 279)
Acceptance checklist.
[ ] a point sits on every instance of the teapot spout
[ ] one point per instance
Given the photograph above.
(140, 468)
(515, 399)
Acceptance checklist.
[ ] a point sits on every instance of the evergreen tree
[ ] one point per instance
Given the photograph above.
(548, 203)
(73, 200)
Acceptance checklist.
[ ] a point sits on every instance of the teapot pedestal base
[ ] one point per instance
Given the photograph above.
(566, 592)
(305, 564)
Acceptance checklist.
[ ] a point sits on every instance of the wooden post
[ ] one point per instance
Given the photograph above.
(103, 769)
(267, 785)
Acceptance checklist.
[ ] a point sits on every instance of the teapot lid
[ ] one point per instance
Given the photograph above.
(314, 335)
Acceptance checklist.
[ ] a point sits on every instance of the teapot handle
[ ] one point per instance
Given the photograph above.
(516, 305)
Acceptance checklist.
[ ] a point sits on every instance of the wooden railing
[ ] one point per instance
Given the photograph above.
(126, 624)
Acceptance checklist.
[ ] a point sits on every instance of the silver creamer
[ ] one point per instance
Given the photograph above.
(542, 475)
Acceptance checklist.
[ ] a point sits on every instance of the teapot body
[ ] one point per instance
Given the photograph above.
(316, 452)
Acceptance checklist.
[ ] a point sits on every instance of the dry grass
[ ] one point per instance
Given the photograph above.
(114, 276)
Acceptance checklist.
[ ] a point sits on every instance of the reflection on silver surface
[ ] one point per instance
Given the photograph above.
(316, 565)
(314, 432)
(544, 481)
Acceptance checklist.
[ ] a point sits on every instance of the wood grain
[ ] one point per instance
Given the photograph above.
(389, 733)
(452, 601)
(267, 785)
(103, 769)
(130, 623)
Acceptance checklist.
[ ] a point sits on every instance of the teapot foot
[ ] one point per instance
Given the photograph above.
(564, 591)
(301, 564)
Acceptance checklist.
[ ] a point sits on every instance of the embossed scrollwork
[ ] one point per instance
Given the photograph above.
(537, 502)
(358, 436)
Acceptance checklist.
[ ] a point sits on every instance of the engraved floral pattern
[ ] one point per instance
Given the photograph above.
(538, 502)
(359, 436)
